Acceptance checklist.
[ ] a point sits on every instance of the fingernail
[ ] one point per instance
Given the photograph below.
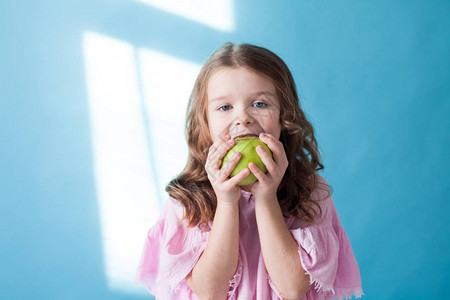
(263, 135)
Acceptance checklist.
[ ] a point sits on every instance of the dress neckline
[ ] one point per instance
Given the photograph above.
(246, 195)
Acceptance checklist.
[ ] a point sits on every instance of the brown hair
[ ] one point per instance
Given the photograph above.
(192, 188)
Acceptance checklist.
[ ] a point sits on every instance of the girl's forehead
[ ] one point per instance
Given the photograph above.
(237, 79)
(238, 69)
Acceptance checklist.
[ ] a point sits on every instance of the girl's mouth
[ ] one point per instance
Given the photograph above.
(246, 135)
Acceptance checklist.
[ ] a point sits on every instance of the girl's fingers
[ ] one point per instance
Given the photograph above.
(266, 158)
(239, 177)
(230, 165)
(274, 144)
(218, 150)
(279, 155)
(257, 172)
(217, 144)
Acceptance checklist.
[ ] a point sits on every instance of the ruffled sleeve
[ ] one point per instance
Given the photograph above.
(326, 254)
(170, 252)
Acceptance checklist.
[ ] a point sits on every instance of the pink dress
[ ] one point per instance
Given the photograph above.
(172, 250)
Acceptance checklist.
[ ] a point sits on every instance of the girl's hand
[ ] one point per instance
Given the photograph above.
(267, 185)
(226, 189)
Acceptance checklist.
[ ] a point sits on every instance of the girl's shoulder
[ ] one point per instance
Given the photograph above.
(322, 196)
(322, 193)
(172, 211)
(173, 215)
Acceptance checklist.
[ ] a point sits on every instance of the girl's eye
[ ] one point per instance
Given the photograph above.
(224, 107)
(259, 104)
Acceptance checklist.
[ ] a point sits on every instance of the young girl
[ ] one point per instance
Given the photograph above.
(278, 238)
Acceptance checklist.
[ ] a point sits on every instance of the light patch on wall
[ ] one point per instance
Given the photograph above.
(214, 13)
(137, 100)
(166, 84)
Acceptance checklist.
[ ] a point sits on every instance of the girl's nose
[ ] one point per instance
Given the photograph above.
(243, 118)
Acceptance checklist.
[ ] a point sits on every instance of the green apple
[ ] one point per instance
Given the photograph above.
(247, 147)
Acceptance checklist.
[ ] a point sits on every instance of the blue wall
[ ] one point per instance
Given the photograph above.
(374, 80)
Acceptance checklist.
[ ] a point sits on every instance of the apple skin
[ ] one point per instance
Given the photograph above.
(247, 147)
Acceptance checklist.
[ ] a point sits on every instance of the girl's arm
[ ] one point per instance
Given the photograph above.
(216, 267)
(280, 251)
(278, 247)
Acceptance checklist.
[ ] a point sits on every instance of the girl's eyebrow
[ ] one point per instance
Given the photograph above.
(219, 98)
(255, 94)
(263, 93)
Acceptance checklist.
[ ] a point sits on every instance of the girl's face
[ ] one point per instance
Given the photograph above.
(242, 103)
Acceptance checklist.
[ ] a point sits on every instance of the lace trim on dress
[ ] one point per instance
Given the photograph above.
(348, 293)
(234, 283)
(318, 285)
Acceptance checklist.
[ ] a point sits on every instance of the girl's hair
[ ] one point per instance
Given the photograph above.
(192, 187)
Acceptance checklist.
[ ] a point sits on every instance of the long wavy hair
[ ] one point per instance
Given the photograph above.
(192, 189)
